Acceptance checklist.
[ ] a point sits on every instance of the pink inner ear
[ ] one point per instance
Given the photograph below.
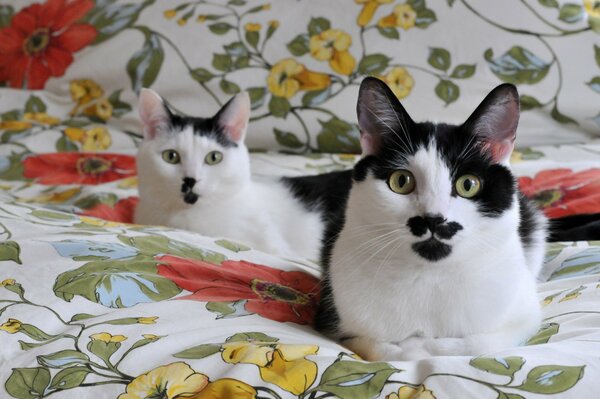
(152, 113)
(369, 143)
(499, 150)
(236, 116)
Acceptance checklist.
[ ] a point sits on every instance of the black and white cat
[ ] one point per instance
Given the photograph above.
(437, 252)
(194, 173)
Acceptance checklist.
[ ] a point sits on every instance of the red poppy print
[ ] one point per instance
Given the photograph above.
(40, 41)
(122, 212)
(78, 168)
(272, 293)
(562, 192)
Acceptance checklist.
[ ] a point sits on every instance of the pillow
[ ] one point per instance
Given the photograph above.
(301, 62)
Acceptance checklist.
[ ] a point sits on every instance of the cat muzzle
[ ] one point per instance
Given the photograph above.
(189, 197)
(432, 248)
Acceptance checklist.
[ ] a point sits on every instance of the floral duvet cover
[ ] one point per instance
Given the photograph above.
(94, 307)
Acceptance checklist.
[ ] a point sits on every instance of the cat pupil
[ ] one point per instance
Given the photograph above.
(402, 180)
(468, 184)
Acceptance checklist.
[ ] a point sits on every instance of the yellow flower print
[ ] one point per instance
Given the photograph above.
(287, 77)
(129, 182)
(103, 109)
(592, 8)
(332, 45)
(41, 118)
(252, 27)
(83, 91)
(147, 320)
(14, 126)
(107, 337)
(175, 380)
(12, 326)
(573, 294)
(400, 81)
(201, 18)
(96, 139)
(282, 365)
(181, 21)
(404, 16)
(407, 392)
(274, 24)
(266, 7)
(151, 337)
(227, 388)
(170, 14)
(368, 10)
(101, 222)
(8, 281)
(58, 197)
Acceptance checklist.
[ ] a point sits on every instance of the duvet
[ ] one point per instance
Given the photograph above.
(94, 306)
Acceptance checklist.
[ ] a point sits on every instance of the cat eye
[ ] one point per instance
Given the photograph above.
(468, 186)
(171, 156)
(213, 157)
(402, 182)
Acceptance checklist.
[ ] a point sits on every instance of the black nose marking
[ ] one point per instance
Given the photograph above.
(448, 230)
(188, 184)
(190, 198)
(420, 225)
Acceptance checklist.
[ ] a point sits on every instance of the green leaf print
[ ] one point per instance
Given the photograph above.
(549, 3)
(389, 32)
(63, 359)
(161, 245)
(299, 46)
(517, 66)
(552, 379)
(257, 96)
(439, 58)
(561, 118)
(571, 13)
(144, 66)
(201, 75)
(10, 251)
(279, 106)
(338, 136)
(109, 17)
(373, 64)
(546, 332)
(6, 14)
(199, 352)
(355, 380)
(229, 87)
(287, 139)
(447, 91)
(318, 25)
(251, 337)
(220, 28)
(28, 383)
(222, 62)
(69, 378)
(529, 102)
(597, 54)
(463, 71)
(35, 104)
(506, 366)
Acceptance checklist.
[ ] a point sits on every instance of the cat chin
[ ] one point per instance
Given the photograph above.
(432, 249)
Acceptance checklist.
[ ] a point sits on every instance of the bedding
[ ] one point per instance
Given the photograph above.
(92, 306)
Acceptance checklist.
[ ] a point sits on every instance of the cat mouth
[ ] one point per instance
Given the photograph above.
(190, 197)
(432, 249)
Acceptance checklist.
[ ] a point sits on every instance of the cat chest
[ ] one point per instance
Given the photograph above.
(396, 304)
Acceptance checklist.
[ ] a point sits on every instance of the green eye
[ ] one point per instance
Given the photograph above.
(213, 157)
(402, 182)
(468, 186)
(171, 156)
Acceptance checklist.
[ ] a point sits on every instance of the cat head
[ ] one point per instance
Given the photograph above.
(183, 159)
(447, 187)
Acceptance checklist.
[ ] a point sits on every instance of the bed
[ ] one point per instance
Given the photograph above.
(92, 305)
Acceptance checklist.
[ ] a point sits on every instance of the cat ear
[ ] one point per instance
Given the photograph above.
(153, 113)
(234, 117)
(495, 122)
(380, 114)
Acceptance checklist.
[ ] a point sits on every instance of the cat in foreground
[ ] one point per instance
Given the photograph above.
(194, 174)
(437, 252)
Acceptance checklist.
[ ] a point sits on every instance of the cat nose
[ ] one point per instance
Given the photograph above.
(188, 183)
(436, 224)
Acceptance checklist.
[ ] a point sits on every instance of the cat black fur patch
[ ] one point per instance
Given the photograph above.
(527, 221)
(201, 126)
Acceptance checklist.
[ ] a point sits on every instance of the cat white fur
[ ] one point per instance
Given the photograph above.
(231, 204)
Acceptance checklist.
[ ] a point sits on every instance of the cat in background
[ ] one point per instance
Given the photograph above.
(194, 174)
(437, 252)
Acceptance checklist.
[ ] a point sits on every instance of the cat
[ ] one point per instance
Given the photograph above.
(437, 252)
(194, 174)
